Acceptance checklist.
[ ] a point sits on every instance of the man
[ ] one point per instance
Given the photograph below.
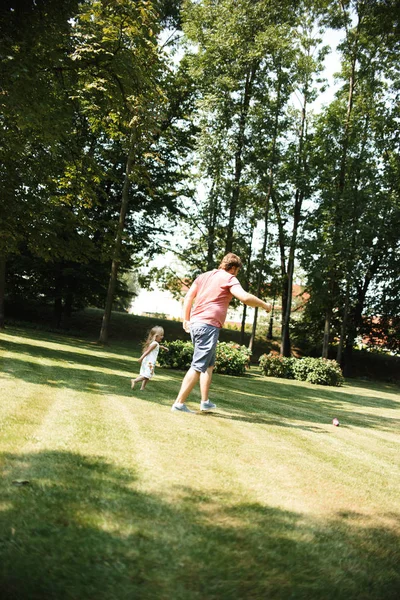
(212, 292)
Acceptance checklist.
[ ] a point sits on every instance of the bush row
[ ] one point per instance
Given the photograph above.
(314, 370)
(230, 359)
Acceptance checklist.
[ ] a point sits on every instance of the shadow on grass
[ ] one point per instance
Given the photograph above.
(84, 529)
(292, 389)
(91, 358)
(269, 401)
(38, 335)
(249, 399)
(391, 388)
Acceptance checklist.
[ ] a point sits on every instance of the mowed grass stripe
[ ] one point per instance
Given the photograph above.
(209, 448)
(283, 398)
(325, 453)
(25, 416)
(129, 500)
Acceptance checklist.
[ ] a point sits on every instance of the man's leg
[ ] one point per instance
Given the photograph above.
(188, 383)
(204, 338)
(205, 382)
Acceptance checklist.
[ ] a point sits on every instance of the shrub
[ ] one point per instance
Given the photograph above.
(318, 370)
(231, 359)
(274, 365)
(313, 370)
(179, 355)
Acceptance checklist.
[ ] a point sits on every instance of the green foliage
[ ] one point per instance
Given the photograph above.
(274, 365)
(314, 370)
(179, 355)
(318, 370)
(231, 359)
(83, 84)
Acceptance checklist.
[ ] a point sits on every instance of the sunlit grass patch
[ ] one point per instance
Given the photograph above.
(265, 498)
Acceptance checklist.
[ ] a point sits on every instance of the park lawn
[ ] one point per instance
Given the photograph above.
(124, 499)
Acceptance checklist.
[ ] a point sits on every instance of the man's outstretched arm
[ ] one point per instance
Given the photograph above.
(249, 299)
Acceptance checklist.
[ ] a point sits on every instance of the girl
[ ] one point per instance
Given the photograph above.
(151, 348)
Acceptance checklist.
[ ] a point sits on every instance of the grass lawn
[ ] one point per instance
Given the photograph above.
(123, 499)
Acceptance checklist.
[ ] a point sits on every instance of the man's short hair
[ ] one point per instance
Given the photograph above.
(230, 260)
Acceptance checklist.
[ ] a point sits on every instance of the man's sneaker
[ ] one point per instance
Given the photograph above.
(181, 408)
(207, 405)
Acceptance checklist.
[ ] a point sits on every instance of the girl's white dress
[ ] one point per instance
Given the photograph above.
(149, 362)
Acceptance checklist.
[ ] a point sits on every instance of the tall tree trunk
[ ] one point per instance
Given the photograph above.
(253, 329)
(270, 334)
(69, 298)
(262, 262)
(356, 321)
(282, 256)
(247, 95)
(212, 221)
(247, 285)
(285, 343)
(243, 325)
(286, 349)
(350, 339)
(343, 328)
(103, 339)
(350, 251)
(2, 290)
(343, 166)
(57, 311)
(58, 296)
(299, 197)
(327, 330)
(268, 199)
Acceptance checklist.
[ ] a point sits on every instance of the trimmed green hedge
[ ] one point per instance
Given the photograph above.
(314, 370)
(231, 359)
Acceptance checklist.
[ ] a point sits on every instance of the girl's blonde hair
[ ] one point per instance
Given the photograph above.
(157, 330)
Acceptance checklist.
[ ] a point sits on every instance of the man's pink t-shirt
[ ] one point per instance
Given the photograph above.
(213, 297)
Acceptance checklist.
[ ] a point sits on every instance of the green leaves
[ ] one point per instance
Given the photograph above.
(230, 359)
(314, 370)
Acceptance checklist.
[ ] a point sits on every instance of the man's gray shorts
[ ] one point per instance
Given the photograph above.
(204, 338)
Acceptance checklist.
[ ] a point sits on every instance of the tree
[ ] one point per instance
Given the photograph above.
(91, 124)
(355, 222)
(309, 62)
(233, 42)
(34, 40)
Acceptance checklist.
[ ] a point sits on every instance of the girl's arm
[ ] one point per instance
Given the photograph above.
(149, 349)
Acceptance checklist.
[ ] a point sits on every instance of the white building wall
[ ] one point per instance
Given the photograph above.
(156, 301)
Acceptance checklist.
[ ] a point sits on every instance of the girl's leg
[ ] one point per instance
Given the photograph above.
(144, 383)
(133, 381)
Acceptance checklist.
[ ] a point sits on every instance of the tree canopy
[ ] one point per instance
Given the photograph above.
(127, 124)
